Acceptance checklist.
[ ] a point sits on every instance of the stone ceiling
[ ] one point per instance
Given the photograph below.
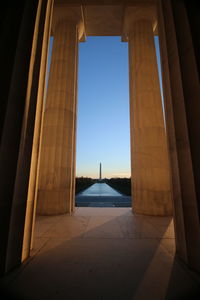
(104, 18)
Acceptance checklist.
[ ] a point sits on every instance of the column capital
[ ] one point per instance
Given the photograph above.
(69, 14)
(138, 12)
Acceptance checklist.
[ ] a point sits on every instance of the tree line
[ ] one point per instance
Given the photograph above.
(83, 183)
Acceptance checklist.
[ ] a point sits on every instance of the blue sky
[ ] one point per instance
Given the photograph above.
(103, 125)
(103, 133)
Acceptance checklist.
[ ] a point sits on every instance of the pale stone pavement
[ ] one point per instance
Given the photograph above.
(102, 253)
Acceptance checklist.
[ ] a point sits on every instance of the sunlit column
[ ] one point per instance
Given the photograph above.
(149, 155)
(58, 147)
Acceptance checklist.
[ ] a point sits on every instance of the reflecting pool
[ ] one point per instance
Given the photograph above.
(100, 189)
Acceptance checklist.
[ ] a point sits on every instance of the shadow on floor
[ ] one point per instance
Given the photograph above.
(105, 253)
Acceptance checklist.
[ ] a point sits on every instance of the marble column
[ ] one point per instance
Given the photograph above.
(23, 34)
(55, 190)
(40, 88)
(149, 154)
(182, 98)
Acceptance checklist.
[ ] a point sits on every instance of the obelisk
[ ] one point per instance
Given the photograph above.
(100, 172)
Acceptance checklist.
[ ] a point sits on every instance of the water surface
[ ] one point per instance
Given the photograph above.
(100, 189)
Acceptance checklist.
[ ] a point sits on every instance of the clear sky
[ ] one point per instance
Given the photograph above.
(103, 133)
(103, 128)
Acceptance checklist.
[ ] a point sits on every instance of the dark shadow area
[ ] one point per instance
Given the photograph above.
(177, 294)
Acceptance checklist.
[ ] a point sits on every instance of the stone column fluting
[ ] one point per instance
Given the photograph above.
(57, 148)
(149, 152)
(182, 95)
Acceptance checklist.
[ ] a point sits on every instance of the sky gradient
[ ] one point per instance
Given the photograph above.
(103, 133)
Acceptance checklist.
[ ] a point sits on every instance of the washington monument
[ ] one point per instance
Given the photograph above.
(100, 172)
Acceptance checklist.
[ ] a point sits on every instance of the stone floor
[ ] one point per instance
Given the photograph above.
(102, 253)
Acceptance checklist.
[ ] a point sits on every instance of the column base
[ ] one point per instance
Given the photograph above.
(153, 203)
(53, 202)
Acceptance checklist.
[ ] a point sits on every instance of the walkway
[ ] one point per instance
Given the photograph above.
(104, 253)
(102, 195)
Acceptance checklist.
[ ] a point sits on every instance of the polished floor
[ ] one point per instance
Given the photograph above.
(102, 253)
